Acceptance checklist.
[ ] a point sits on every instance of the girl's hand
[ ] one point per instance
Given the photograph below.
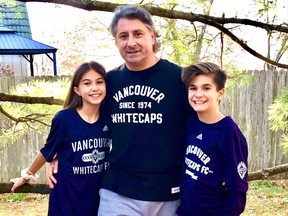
(17, 183)
(52, 169)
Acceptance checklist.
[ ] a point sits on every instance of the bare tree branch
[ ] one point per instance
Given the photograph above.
(7, 114)
(244, 45)
(167, 13)
(217, 22)
(26, 119)
(30, 100)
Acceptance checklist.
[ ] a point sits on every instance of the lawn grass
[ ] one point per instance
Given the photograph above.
(268, 197)
(264, 198)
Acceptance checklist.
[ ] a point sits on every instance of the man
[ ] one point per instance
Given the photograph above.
(148, 105)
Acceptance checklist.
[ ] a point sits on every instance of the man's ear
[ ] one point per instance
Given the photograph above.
(154, 36)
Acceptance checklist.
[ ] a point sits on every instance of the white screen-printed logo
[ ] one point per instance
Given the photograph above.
(242, 169)
(95, 156)
(175, 190)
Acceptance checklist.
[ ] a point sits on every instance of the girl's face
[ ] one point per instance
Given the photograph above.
(203, 95)
(92, 88)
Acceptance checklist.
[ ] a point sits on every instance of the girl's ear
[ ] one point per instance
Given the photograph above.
(76, 90)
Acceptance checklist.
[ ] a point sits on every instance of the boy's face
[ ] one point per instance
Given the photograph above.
(135, 43)
(203, 95)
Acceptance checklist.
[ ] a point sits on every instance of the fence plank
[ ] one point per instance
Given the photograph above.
(247, 105)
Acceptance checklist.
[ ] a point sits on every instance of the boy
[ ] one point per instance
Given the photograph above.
(215, 177)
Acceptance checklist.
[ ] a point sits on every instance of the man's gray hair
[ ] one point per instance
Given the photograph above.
(134, 12)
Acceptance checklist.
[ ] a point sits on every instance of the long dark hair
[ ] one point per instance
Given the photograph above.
(73, 100)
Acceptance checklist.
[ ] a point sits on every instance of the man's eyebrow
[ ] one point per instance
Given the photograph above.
(135, 30)
(124, 32)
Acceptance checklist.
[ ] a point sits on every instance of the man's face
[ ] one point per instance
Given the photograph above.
(135, 43)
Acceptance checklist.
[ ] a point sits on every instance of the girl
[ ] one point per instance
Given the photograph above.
(79, 138)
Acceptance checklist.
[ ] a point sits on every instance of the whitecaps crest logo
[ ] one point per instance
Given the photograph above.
(95, 156)
(242, 169)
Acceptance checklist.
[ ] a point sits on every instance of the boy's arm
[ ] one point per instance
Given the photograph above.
(235, 204)
(236, 180)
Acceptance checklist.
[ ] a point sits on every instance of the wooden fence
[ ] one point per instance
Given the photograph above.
(247, 105)
(18, 154)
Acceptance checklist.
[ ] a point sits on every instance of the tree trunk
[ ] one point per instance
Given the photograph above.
(265, 173)
(30, 100)
(27, 188)
(44, 189)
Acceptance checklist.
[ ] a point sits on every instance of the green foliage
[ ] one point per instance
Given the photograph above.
(278, 117)
(176, 42)
(269, 187)
(237, 77)
(278, 112)
(259, 184)
(264, 7)
(15, 197)
(183, 42)
(34, 116)
(186, 43)
(284, 143)
(7, 3)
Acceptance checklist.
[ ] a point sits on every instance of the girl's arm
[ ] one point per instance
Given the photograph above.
(36, 164)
